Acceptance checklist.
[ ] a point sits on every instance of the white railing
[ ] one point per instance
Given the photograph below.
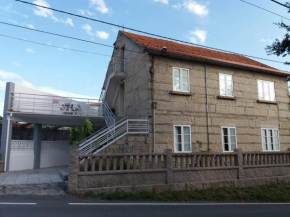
(55, 105)
(108, 114)
(107, 136)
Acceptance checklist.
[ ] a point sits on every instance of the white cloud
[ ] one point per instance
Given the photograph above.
(18, 79)
(62, 92)
(30, 26)
(7, 7)
(198, 35)
(47, 13)
(43, 12)
(13, 77)
(10, 77)
(177, 6)
(88, 29)
(2, 85)
(162, 1)
(16, 64)
(266, 40)
(12, 21)
(68, 21)
(100, 34)
(100, 5)
(85, 13)
(26, 83)
(29, 50)
(193, 7)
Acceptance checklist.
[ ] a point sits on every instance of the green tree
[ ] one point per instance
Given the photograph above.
(78, 133)
(281, 47)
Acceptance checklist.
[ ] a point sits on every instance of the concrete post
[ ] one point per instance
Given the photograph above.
(37, 136)
(240, 163)
(73, 169)
(7, 126)
(168, 163)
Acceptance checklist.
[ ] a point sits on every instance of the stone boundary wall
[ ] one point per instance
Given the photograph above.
(110, 173)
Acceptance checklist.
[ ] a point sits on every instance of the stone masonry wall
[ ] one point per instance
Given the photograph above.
(244, 113)
(111, 173)
(136, 78)
(135, 92)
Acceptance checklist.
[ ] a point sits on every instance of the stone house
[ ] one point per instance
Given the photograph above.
(196, 99)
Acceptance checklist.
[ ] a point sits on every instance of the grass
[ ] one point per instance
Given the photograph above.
(267, 193)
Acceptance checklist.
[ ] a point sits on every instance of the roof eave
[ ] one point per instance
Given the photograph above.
(220, 63)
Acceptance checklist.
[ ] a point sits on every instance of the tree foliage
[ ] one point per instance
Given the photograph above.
(78, 133)
(281, 47)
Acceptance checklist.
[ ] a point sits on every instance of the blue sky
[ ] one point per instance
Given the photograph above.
(230, 25)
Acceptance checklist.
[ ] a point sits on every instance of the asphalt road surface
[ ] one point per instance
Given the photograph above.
(67, 206)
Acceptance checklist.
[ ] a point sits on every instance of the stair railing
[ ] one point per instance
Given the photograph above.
(109, 135)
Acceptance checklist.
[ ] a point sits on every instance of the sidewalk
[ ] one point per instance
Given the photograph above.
(33, 182)
(37, 176)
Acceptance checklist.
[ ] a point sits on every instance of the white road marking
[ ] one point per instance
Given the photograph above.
(171, 204)
(18, 203)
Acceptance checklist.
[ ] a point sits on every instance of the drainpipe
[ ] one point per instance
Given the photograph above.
(207, 109)
(154, 104)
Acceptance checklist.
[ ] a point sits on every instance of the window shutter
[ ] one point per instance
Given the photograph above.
(260, 90)
(272, 91)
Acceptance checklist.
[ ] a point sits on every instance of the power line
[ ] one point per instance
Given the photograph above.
(279, 3)
(55, 34)
(75, 50)
(144, 32)
(54, 46)
(264, 9)
(87, 41)
(64, 48)
(63, 36)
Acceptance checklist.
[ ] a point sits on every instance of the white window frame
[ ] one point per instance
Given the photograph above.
(226, 89)
(269, 82)
(182, 139)
(185, 91)
(267, 129)
(223, 143)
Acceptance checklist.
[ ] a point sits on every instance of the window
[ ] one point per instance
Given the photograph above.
(226, 85)
(229, 139)
(181, 80)
(182, 138)
(270, 140)
(266, 90)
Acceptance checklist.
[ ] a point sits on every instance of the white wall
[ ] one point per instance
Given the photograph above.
(53, 154)
(34, 101)
(21, 155)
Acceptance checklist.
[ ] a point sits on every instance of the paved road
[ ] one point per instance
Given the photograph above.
(67, 206)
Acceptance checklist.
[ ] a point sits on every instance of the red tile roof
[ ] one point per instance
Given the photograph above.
(154, 44)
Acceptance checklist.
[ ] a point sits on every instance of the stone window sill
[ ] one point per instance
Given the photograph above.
(180, 93)
(267, 102)
(226, 97)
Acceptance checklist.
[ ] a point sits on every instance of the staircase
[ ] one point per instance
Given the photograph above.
(114, 131)
(110, 134)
